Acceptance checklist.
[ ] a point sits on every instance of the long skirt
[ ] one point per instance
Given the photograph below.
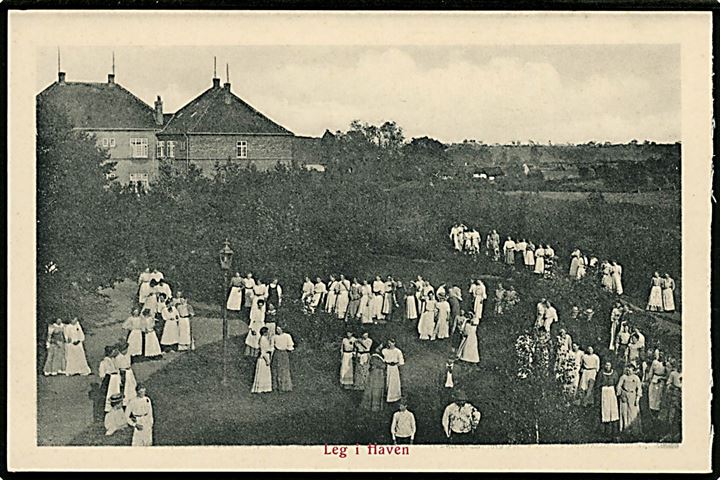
(617, 286)
(235, 299)
(115, 420)
(374, 395)
(388, 304)
(510, 257)
(128, 385)
(110, 386)
(341, 304)
(376, 303)
(152, 345)
(539, 265)
(478, 307)
(135, 343)
(609, 404)
(394, 391)
(468, 349)
(362, 369)
(316, 300)
(330, 301)
(655, 395)
(668, 300)
(655, 301)
(346, 369)
(185, 341)
(353, 307)
(573, 267)
(76, 363)
(442, 329)
(171, 333)
(55, 361)
(410, 308)
(529, 258)
(281, 371)
(143, 438)
(630, 416)
(607, 282)
(263, 377)
(365, 310)
(426, 325)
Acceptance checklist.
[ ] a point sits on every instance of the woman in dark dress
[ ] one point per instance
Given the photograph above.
(374, 395)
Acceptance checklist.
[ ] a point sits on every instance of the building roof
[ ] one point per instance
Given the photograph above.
(218, 110)
(99, 105)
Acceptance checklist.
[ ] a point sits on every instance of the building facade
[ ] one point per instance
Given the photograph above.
(219, 127)
(121, 123)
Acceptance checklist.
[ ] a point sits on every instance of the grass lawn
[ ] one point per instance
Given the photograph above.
(192, 408)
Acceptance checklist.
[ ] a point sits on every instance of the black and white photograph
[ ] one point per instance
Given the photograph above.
(367, 247)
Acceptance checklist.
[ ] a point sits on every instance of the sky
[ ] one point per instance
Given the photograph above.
(494, 94)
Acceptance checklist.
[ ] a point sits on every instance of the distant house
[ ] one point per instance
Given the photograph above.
(219, 126)
(489, 173)
(122, 124)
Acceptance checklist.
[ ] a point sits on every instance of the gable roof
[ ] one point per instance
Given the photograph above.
(218, 110)
(99, 105)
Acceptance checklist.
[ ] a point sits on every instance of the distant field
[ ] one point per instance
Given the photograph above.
(647, 198)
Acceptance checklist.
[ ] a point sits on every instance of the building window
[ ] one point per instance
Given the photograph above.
(105, 142)
(160, 149)
(112, 143)
(139, 182)
(183, 146)
(242, 149)
(171, 149)
(139, 147)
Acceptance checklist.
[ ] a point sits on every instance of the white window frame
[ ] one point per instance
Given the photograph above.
(139, 147)
(160, 149)
(170, 149)
(241, 149)
(112, 142)
(143, 178)
(106, 142)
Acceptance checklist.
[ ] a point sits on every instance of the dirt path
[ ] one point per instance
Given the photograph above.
(64, 407)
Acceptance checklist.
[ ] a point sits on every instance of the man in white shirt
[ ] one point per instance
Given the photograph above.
(460, 420)
(402, 427)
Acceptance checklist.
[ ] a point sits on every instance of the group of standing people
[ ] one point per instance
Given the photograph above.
(538, 259)
(662, 294)
(465, 240)
(367, 302)
(65, 349)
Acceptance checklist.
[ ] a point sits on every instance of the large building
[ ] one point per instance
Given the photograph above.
(121, 122)
(218, 126)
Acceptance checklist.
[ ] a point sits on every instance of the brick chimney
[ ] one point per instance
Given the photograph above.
(158, 111)
(61, 77)
(216, 83)
(226, 86)
(111, 79)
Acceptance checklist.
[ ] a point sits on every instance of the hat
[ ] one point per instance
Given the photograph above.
(116, 398)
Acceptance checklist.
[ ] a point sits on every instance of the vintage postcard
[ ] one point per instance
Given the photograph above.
(415, 241)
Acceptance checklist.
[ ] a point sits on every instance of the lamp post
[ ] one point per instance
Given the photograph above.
(226, 255)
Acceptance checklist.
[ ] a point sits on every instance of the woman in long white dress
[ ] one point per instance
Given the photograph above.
(540, 260)
(411, 312)
(127, 376)
(171, 328)
(530, 256)
(617, 285)
(151, 348)
(365, 308)
(257, 323)
(331, 298)
(263, 373)
(347, 354)
(235, 297)
(75, 361)
(343, 297)
(394, 359)
(442, 325)
(426, 325)
(135, 327)
(468, 350)
(668, 293)
(144, 288)
(110, 375)
(655, 300)
(479, 296)
(607, 278)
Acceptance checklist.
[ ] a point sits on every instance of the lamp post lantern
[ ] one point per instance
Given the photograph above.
(226, 255)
